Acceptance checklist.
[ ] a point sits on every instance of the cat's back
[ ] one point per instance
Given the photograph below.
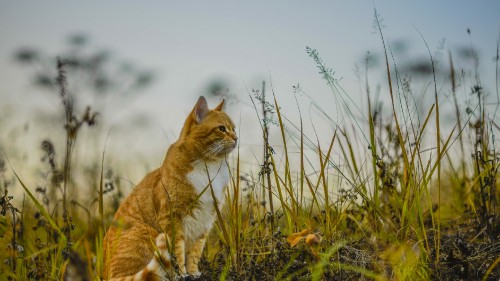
(143, 196)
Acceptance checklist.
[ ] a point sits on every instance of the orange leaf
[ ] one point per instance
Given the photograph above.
(295, 238)
(313, 239)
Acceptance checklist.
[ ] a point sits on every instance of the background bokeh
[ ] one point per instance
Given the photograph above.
(184, 49)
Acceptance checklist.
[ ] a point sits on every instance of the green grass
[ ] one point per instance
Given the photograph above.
(385, 206)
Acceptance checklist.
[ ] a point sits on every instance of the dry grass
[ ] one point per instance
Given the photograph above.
(373, 204)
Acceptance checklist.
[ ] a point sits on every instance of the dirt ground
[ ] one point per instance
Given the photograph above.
(467, 251)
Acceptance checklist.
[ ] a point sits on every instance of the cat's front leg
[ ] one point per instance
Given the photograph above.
(194, 255)
(180, 252)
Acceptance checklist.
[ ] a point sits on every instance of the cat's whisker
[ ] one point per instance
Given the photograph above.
(214, 150)
(210, 151)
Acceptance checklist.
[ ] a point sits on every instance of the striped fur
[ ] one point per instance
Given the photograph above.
(159, 268)
(178, 199)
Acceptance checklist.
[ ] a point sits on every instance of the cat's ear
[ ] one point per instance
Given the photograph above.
(200, 109)
(220, 106)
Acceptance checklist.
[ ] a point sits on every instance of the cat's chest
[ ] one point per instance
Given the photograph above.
(205, 177)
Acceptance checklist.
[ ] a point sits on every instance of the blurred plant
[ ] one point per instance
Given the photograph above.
(9, 215)
(72, 126)
(486, 164)
(97, 70)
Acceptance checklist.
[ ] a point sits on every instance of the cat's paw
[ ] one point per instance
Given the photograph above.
(181, 276)
(193, 271)
(190, 277)
(161, 242)
(195, 275)
(162, 246)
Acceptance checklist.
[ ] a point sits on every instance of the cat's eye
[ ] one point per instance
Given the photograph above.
(222, 129)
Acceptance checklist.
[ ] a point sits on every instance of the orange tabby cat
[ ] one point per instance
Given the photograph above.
(175, 202)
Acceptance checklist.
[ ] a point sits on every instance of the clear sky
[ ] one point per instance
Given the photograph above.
(189, 43)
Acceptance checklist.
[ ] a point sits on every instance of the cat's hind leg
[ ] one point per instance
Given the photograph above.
(159, 267)
(161, 262)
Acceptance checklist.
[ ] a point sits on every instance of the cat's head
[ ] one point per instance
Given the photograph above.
(210, 134)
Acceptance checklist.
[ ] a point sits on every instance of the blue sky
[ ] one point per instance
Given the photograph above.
(189, 43)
